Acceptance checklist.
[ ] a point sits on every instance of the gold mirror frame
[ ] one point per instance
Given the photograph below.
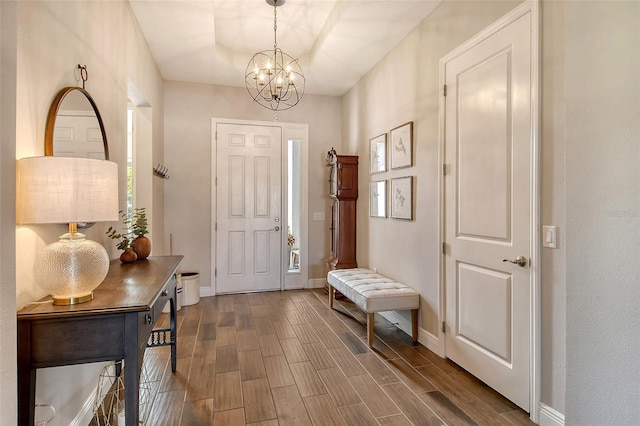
(53, 114)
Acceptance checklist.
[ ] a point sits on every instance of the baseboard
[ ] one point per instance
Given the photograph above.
(312, 283)
(427, 339)
(550, 417)
(316, 283)
(431, 342)
(85, 415)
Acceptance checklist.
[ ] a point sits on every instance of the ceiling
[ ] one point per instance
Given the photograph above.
(337, 41)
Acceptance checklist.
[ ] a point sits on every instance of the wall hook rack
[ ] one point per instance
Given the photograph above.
(161, 171)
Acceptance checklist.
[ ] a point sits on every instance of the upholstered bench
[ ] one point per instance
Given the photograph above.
(373, 293)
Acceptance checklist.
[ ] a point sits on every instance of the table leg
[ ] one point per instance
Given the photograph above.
(26, 395)
(173, 327)
(132, 366)
(26, 377)
(331, 295)
(370, 328)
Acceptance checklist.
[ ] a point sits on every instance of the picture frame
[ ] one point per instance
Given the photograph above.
(378, 154)
(402, 198)
(401, 141)
(378, 198)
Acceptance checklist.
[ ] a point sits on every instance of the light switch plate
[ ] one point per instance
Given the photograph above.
(318, 216)
(549, 235)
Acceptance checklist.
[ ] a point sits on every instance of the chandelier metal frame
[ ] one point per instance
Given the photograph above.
(273, 78)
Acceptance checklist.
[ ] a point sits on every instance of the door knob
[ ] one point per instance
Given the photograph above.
(521, 261)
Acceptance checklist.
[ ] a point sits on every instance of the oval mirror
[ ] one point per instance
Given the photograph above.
(74, 129)
(74, 126)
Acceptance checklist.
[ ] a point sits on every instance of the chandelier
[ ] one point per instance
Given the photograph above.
(273, 78)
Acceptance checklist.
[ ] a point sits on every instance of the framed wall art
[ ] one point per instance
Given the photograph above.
(378, 198)
(402, 198)
(378, 153)
(402, 146)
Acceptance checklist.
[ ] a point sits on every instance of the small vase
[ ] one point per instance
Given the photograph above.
(142, 247)
(128, 256)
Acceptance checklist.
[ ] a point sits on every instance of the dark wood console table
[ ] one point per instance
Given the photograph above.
(115, 325)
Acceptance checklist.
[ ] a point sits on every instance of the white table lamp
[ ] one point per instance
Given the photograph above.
(68, 190)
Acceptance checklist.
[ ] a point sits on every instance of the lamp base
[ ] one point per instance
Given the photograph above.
(75, 300)
(71, 268)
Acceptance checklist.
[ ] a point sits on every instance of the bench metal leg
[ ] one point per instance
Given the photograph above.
(370, 325)
(331, 295)
(414, 325)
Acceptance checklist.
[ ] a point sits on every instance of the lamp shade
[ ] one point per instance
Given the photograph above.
(63, 190)
(68, 190)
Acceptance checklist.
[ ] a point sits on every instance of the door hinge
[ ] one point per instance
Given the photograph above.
(215, 272)
(444, 248)
(215, 227)
(444, 90)
(444, 329)
(444, 169)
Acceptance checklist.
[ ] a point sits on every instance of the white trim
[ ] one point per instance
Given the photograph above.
(297, 279)
(428, 340)
(316, 283)
(288, 130)
(535, 357)
(85, 415)
(550, 417)
(528, 7)
(441, 211)
(206, 291)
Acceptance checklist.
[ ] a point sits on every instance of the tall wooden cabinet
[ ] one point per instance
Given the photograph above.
(343, 189)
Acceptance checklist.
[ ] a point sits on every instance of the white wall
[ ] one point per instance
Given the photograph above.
(404, 87)
(590, 156)
(602, 92)
(553, 210)
(7, 212)
(189, 109)
(52, 38)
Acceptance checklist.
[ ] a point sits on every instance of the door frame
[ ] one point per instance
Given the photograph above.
(528, 7)
(288, 280)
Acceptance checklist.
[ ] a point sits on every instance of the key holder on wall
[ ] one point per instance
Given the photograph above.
(161, 171)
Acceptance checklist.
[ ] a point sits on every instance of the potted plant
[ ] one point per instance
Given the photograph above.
(137, 223)
(124, 244)
(291, 240)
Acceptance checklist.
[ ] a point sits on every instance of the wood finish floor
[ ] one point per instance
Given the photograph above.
(286, 358)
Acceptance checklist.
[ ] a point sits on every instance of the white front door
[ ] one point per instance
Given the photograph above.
(249, 225)
(488, 210)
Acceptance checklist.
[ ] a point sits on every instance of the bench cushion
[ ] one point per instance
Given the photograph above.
(373, 292)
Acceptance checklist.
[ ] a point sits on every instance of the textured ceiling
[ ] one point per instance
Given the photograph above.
(337, 41)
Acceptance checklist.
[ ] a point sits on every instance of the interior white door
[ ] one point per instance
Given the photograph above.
(77, 135)
(488, 212)
(249, 198)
